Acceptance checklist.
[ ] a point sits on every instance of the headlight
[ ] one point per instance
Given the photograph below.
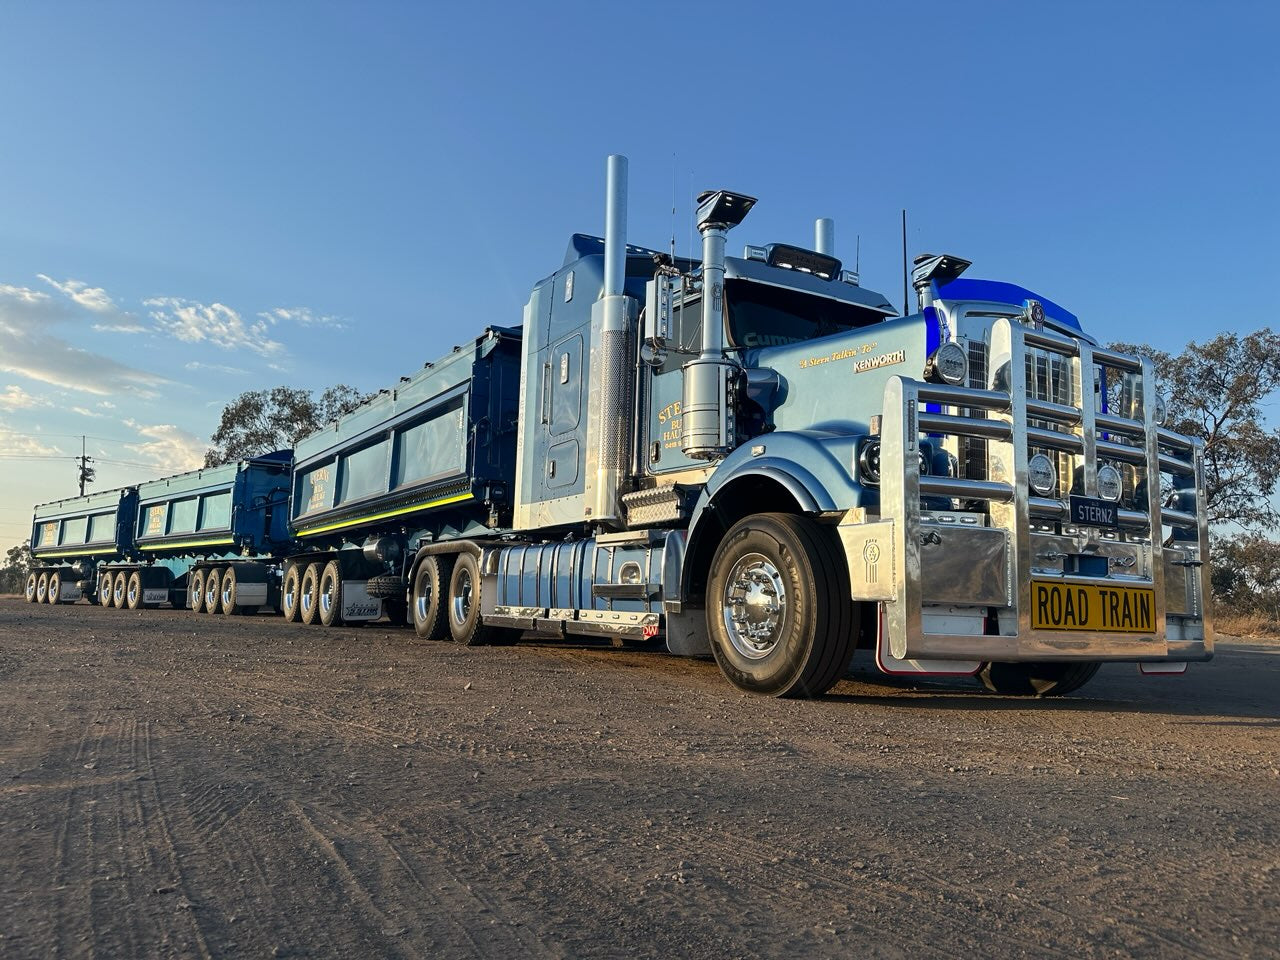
(948, 364)
(869, 461)
(1041, 475)
(1110, 483)
(1161, 410)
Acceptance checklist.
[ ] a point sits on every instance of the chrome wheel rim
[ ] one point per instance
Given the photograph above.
(31, 586)
(421, 602)
(307, 600)
(326, 598)
(755, 606)
(461, 603)
(133, 594)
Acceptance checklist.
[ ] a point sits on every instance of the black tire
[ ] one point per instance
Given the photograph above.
(1036, 679)
(133, 591)
(309, 595)
(290, 590)
(105, 592)
(32, 579)
(213, 590)
(428, 607)
(386, 587)
(120, 589)
(42, 587)
(329, 596)
(803, 645)
(53, 589)
(465, 601)
(195, 591)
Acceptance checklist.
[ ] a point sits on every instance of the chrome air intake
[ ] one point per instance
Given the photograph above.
(707, 429)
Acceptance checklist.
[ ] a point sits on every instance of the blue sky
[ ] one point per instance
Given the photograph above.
(200, 199)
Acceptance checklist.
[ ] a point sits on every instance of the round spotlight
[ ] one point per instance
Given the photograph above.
(948, 364)
(1110, 483)
(869, 461)
(1041, 475)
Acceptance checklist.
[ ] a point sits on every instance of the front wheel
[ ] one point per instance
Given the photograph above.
(778, 608)
(1036, 679)
(466, 625)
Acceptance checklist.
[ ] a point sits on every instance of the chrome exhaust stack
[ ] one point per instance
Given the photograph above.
(707, 431)
(613, 317)
(824, 236)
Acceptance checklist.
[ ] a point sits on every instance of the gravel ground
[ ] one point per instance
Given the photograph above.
(180, 785)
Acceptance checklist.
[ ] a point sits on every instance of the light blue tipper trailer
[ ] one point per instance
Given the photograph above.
(169, 540)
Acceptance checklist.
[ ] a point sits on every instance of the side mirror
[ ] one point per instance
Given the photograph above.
(657, 321)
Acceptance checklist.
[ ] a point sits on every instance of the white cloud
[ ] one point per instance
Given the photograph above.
(125, 326)
(303, 317)
(22, 294)
(25, 445)
(15, 398)
(36, 354)
(106, 405)
(86, 412)
(169, 447)
(91, 298)
(215, 367)
(215, 323)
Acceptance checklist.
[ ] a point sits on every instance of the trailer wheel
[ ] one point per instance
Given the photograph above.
(195, 591)
(329, 596)
(213, 590)
(228, 591)
(42, 587)
(133, 591)
(105, 580)
(429, 588)
(32, 580)
(54, 588)
(1036, 679)
(309, 595)
(119, 589)
(289, 592)
(778, 607)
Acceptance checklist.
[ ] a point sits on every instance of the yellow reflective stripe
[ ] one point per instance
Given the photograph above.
(186, 543)
(74, 553)
(457, 498)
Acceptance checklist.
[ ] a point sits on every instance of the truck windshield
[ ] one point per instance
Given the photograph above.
(765, 316)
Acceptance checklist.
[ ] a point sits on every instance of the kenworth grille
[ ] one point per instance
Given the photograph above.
(1002, 542)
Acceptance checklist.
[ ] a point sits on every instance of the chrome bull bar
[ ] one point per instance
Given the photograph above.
(994, 565)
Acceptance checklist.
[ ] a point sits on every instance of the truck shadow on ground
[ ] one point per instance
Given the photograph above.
(1235, 688)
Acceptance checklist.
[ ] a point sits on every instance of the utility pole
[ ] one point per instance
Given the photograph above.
(86, 471)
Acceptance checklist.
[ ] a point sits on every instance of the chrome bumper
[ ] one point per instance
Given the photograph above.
(918, 563)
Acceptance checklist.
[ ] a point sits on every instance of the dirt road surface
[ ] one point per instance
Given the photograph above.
(194, 786)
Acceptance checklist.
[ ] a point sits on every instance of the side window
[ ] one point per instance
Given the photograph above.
(686, 335)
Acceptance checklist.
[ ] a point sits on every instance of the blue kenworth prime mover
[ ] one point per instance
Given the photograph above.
(755, 459)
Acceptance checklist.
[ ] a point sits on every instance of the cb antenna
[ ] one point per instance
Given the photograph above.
(673, 208)
(904, 262)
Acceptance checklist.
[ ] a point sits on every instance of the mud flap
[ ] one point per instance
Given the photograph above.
(356, 602)
(946, 620)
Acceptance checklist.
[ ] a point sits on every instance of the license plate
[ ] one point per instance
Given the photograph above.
(1090, 606)
(1092, 512)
